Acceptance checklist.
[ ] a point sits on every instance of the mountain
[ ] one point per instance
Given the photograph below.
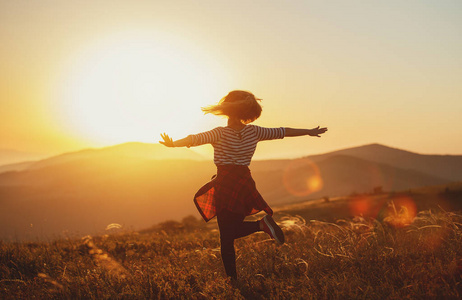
(444, 166)
(16, 166)
(126, 150)
(84, 196)
(137, 185)
(8, 156)
(338, 175)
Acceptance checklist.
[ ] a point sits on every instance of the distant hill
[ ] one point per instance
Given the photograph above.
(16, 166)
(139, 184)
(86, 195)
(341, 175)
(444, 166)
(126, 150)
(9, 156)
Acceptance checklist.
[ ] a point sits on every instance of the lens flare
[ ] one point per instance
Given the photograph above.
(360, 206)
(366, 205)
(401, 212)
(113, 226)
(302, 178)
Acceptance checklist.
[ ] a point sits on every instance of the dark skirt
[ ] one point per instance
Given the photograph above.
(233, 188)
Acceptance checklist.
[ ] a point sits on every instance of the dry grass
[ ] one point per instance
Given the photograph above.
(355, 258)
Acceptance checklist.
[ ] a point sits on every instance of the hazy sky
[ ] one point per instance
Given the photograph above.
(78, 74)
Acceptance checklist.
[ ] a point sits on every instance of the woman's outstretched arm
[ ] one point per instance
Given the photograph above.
(167, 141)
(299, 132)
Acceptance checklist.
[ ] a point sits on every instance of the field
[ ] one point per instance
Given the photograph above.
(393, 255)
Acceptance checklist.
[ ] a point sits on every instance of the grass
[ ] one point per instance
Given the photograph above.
(350, 258)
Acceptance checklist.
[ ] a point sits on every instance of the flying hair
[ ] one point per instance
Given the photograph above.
(241, 105)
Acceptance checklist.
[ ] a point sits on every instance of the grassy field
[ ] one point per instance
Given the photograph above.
(390, 256)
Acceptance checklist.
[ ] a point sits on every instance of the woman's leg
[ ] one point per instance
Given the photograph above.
(232, 226)
(246, 228)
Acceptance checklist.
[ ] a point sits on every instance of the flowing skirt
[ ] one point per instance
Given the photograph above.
(233, 189)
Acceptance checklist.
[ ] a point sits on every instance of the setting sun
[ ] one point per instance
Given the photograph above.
(321, 139)
(132, 87)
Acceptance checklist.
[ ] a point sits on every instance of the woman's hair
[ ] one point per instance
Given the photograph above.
(241, 105)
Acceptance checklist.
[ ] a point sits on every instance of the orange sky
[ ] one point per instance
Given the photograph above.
(95, 73)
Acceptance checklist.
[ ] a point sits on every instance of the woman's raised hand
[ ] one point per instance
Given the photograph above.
(317, 131)
(167, 141)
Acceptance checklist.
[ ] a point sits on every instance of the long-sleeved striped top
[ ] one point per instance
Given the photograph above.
(236, 147)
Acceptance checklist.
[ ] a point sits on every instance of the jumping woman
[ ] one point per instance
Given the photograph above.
(232, 195)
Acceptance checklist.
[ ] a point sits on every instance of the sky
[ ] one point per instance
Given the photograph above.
(80, 74)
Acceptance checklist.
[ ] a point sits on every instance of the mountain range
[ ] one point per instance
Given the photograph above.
(10, 156)
(137, 185)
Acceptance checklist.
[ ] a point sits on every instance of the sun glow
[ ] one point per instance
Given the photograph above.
(134, 86)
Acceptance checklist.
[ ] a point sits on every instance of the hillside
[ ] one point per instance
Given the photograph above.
(443, 166)
(127, 150)
(123, 151)
(85, 196)
(21, 166)
(351, 258)
(10, 156)
(85, 191)
(340, 175)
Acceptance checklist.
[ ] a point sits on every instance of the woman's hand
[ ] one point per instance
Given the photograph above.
(299, 132)
(317, 131)
(167, 140)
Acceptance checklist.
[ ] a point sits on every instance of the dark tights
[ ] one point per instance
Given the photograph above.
(232, 226)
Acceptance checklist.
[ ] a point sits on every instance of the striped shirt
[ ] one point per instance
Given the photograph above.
(233, 147)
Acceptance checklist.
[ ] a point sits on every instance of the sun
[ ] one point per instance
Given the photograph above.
(131, 87)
